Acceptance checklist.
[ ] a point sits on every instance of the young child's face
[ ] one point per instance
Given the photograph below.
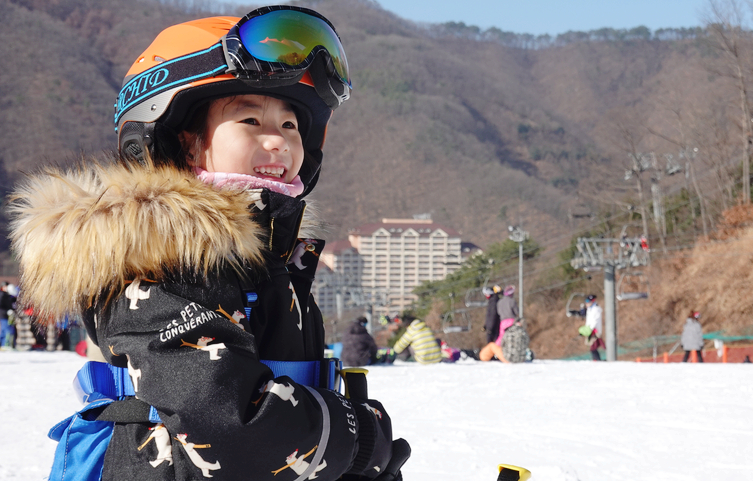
(254, 135)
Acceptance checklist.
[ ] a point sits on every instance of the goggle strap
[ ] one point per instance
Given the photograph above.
(169, 75)
(323, 85)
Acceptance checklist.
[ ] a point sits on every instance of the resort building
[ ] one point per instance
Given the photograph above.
(381, 263)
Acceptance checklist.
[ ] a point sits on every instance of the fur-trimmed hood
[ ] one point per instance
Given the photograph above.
(81, 232)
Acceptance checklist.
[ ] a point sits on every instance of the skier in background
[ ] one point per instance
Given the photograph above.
(692, 336)
(419, 339)
(491, 324)
(359, 348)
(7, 303)
(592, 329)
(507, 310)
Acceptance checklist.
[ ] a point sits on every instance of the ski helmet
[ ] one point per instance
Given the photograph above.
(290, 53)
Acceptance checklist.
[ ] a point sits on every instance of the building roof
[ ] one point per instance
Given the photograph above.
(323, 269)
(396, 227)
(337, 247)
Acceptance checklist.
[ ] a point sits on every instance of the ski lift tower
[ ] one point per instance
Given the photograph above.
(609, 254)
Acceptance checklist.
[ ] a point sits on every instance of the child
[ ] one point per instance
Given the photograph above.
(190, 259)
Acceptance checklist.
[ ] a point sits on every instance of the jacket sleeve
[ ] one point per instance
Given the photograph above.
(191, 356)
(404, 341)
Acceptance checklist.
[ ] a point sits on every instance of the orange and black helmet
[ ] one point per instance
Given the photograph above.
(291, 53)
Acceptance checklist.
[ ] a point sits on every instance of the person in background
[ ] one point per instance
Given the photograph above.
(7, 303)
(692, 336)
(63, 337)
(593, 327)
(359, 348)
(449, 354)
(490, 351)
(419, 338)
(507, 310)
(491, 325)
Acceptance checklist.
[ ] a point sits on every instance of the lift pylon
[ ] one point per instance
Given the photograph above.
(610, 254)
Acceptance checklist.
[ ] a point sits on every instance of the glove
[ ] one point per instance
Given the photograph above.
(356, 387)
(400, 454)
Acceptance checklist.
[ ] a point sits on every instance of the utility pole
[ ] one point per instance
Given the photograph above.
(519, 235)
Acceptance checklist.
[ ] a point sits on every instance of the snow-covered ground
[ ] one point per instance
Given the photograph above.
(565, 421)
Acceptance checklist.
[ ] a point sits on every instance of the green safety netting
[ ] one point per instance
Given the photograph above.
(658, 341)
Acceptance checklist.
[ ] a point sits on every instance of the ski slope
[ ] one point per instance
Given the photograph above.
(565, 421)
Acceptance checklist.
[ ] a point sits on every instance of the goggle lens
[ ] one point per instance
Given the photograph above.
(289, 37)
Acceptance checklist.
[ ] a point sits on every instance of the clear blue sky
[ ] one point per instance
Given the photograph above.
(552, 16)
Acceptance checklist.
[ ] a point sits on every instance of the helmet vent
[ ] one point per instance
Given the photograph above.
(158, 59)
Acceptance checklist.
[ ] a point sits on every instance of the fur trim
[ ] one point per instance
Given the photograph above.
(312, 227)
(79, 233)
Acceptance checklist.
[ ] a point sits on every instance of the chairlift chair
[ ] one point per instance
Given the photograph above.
(569, 312)
(456, 320)
(623, 295)
(475, 297)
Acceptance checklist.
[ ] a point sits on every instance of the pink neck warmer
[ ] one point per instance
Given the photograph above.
(245, 181)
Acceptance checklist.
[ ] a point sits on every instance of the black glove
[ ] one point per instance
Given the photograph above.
(400, 454)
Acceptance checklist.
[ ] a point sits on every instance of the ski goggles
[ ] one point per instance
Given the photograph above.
(269, 47)
(283, 41)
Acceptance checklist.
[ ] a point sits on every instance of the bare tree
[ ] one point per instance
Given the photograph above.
(688, 153)
(726, 26)
(628, 135)
(718, 151)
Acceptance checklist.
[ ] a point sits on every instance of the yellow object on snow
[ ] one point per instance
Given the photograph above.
(523, 473)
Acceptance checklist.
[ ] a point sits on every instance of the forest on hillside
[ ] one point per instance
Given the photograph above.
(584, 134)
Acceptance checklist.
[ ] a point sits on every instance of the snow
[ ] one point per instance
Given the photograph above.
(563, 420)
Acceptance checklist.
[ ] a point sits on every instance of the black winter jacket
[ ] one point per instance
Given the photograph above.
(491, 325)
(7, 302)
(359, 348)
(190, 306)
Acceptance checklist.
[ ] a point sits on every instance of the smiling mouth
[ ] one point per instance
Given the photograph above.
(270, 171)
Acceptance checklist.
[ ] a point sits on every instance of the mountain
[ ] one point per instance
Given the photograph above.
(479, 134)
(481, 129)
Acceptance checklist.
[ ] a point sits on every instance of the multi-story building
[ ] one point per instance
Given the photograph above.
(381, 263)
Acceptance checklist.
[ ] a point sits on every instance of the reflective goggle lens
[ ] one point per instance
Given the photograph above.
(289, 36)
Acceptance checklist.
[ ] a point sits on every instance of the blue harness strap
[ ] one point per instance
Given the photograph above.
(321, 374)
(99, 380)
